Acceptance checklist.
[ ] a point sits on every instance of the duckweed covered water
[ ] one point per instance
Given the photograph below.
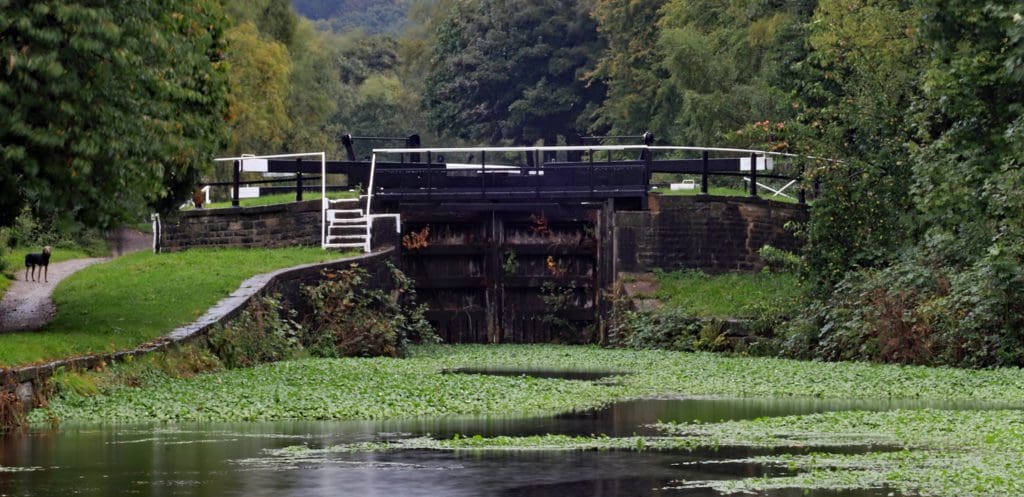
(503, 447)
(293, 458)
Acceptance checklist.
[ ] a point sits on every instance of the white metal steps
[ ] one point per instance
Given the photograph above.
(347, 224)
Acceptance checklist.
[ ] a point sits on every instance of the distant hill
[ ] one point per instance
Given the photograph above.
(372, 16)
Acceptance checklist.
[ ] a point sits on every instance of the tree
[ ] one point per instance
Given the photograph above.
(260, 72)
(371, 16)
(630, 67)
(857, 86)
(968, 171)
(279, 21)
(107, 110)
(314, 93)
(513, 69)
(692, 71)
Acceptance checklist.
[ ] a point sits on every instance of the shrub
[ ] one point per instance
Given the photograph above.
(74, 382)
(920, 312)
(873, 315)
(3, 259)
(262, 333)
(359, 320)
(670, 329)
(713, 336)
(184, 361)
(780, 260)
(29, 231)
(12, 412)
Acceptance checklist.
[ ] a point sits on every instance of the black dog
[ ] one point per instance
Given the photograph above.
(42, 261)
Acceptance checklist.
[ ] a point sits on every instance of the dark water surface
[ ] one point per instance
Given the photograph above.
(234, 458)
(214, 460)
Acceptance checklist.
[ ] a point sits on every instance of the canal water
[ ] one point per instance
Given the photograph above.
(243, 458)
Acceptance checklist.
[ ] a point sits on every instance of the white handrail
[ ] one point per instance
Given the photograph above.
(369, 201)
(274, 156)
(323, 181)
(324, 205)
(504, 149)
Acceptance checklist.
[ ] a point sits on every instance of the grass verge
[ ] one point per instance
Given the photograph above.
(141, 296)
(16, 257)
(279, 198)
(732, 192)
(725, 295)
(15, 261)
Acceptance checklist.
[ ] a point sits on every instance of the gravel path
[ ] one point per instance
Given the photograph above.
(27, 305)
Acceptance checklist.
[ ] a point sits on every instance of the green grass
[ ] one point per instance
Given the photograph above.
(733, 192)
(145, 227)
(141, 296)
(279, 198)
(15, 261)
(16, 257)
(725, 295)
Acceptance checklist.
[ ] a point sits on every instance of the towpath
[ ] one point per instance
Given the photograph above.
(28, 305)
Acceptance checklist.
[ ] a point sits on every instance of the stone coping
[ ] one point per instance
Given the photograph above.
(221, 312)
(303, 206)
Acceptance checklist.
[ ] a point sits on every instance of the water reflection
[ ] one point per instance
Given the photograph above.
(216, 459)
(99, 462)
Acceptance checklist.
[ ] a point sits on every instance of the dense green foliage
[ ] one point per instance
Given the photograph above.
(262, 332)
(108, 109)
(348, 318)
(915, 242)
(295, 88)
(352, 318)
(371, 16)
(914, 249)
(693, 71)
(943, 284)
(513, 70)
(138, 297)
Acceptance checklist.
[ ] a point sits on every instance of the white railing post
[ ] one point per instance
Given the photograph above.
(369, 201)
(324, 204)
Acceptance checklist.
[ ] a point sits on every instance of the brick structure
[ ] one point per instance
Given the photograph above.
(270, 226)
(712, 233)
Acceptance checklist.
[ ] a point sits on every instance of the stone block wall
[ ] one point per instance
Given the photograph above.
(270, 226)
(715, 234)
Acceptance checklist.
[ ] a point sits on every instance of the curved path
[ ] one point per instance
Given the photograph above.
(27, 305)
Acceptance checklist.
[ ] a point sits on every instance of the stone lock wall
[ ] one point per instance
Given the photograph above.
(711, 233)
(270, 226)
